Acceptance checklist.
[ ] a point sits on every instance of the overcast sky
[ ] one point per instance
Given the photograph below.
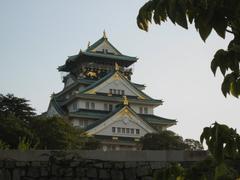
(37, 36)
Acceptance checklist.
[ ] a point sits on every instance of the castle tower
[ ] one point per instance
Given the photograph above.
(99, 97)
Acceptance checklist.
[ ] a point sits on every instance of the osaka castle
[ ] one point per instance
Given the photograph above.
(99, 97)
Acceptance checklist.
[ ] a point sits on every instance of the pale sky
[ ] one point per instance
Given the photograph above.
(37, 36)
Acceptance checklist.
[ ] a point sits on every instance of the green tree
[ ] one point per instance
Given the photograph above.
(223, 16)
(12, 128)
(223, 143)
(193, 145)
(55, 133)
(18, 107)
(165, 140)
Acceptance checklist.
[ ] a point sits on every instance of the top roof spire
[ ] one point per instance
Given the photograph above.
(104, 34)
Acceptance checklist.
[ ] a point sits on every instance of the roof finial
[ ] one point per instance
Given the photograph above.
(88, 44)
(116, 67)
(125, 101)
(104, 34)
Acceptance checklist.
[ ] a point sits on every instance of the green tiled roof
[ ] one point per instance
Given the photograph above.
(110, 56)
(104, 118)
(73, 85)
(113, 98)
(57, 106)
(92, 114)
(100, 41)
(153, 119)
(120, 138)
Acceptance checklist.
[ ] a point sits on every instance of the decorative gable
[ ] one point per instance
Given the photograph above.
(106, 47)
(103, 46)
(117, 84)
(124, 123)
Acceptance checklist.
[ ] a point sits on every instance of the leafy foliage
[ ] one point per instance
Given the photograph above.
(11, 128)
(172, 172)
(3, 145)
(56, 133)
(193, 145)
(21, 129)
(222, 141)
(165, 140)
(26, 144)
(207, 15)
(18, 107)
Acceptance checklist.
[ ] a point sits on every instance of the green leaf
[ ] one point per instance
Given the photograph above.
(181, 19)
(226, 85)
(204, 30)
(220, 25)
(171, 10)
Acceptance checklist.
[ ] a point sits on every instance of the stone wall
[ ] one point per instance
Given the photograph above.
(89, 165)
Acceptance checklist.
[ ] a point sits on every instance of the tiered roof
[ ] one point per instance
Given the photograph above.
(93, 53)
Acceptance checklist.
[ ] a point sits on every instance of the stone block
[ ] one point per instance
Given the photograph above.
(44, 171)
(119, 165)
(44, 163)
(54, 170)
(92, 172)
(98, 165)
(5, 174)
(144, 171)
(130, 164)
(104, 174)
(157, 165)
(130, 174)
(36, 163)
(107, 165)
(80, 172)
(33, 172)
(117, 174)
(74, 164)
(16, 174)
(147, 178)
(9, 164)
(65, 172)
(21, 164)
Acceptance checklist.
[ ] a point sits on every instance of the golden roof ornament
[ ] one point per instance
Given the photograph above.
(125, 101)
(116, 66)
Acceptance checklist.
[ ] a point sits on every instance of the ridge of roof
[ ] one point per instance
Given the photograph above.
(57, 106)
(98, 42)
(156, 118)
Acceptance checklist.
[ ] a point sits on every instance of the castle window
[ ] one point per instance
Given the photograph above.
(114, 91)
(87, 105)
(118, 91)
(132, 131)
(110, 107)
(145, 110)
(119, 130)
(127, 130)
(74, 106)
(92, 105)
(113, 129)
(122, 92)
(106, 107)
(140, 110)
(123, 130)
(137, 131)
(110, 91)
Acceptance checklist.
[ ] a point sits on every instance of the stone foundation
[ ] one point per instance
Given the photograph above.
(89, 165)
